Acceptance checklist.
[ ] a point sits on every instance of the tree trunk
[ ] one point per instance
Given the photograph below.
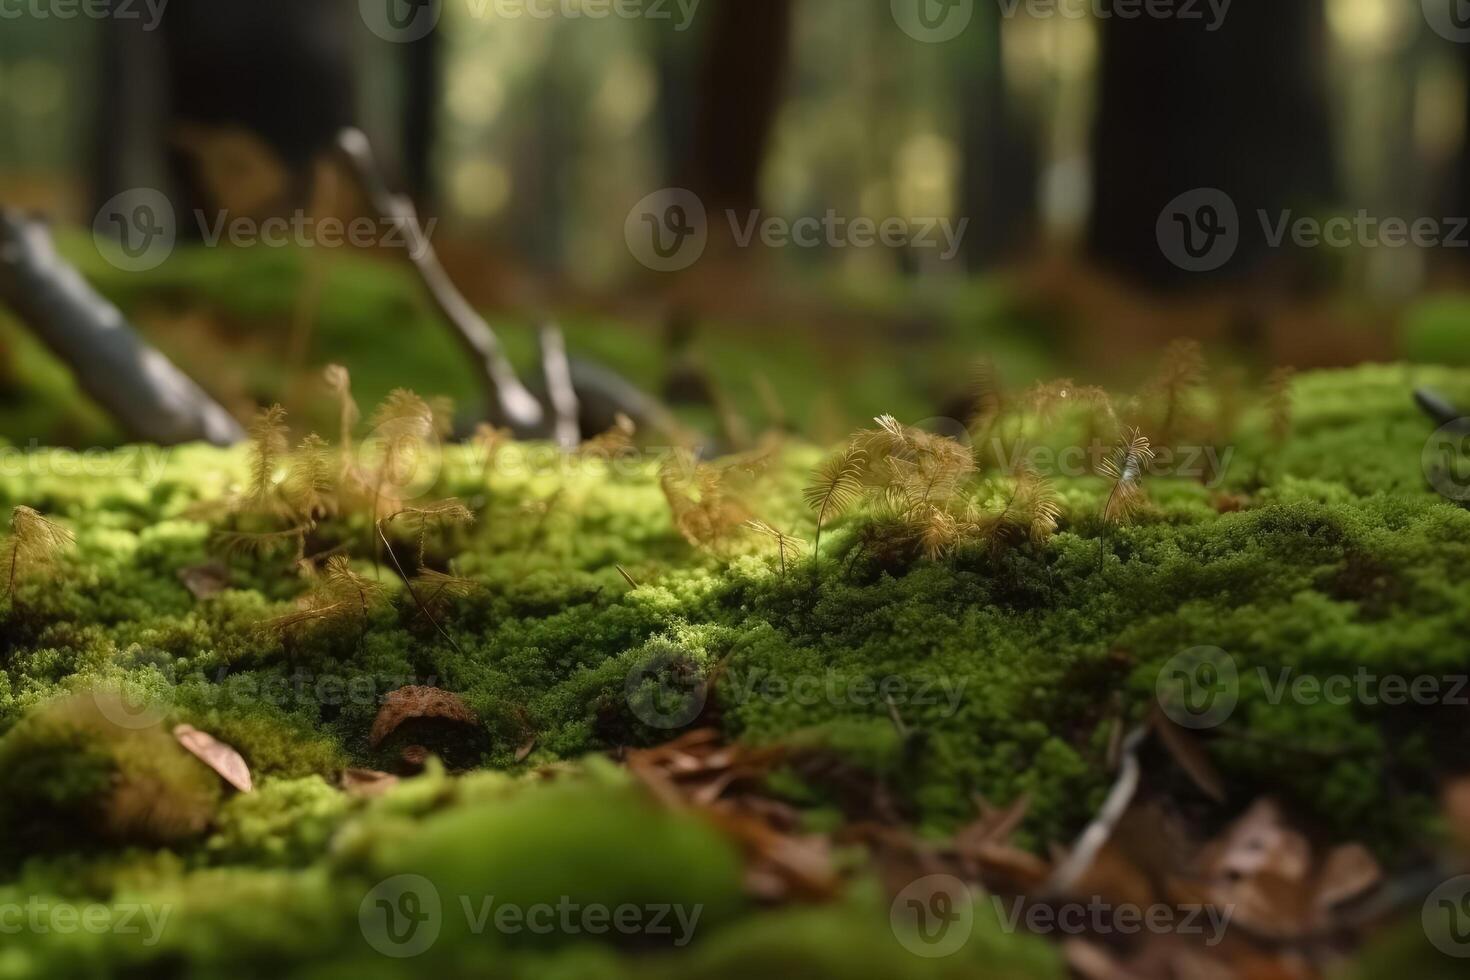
(281, 69)
(1241, 109)
(999, 182)
(740, 85)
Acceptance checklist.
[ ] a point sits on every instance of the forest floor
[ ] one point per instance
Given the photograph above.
(848, 722)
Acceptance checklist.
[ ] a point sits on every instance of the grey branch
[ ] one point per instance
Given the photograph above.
(560, 391)
(149, 397)
(1098, 833)
(515, 405)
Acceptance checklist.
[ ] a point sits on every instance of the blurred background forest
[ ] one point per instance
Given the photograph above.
(1059, 133)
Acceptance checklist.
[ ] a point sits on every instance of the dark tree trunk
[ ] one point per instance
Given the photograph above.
(130, 118)
(740, 85)
(280, 68)
(999, 190)
(676, 58)
(1241, 109)
(420, 115)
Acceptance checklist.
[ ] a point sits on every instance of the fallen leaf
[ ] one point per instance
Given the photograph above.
(1348, 872)
(525, 750)
(419, 702)
(1186, 749)
(216, 755)
(205, 580)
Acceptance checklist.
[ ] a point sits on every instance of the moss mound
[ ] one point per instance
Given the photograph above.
(590, 623)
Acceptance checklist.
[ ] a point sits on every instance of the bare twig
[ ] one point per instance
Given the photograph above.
(408, 584)
(149, 397)
(1091, 842)
(559, 391)
(516, 406)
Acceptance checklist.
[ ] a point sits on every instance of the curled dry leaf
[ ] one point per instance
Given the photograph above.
(419, 702)
(216, 755)
(721, 783)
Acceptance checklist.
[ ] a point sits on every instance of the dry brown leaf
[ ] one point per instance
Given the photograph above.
(419, 702)
(526, 749)
(1348, 872)
(208, 579)
(216, 755)
(1186, 749)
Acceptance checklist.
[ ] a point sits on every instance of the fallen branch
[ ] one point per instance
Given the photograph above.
(599, 393)
(560, 391)
(1098, 833)
(148, 396)
(513, 404)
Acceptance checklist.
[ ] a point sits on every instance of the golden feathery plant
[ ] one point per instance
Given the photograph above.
(339, 596)
(1124, 470)
(836, 486)
(310, 487)
(34, 546)
(340, 382)
(1279, 405)
(786, 544)
(1181, 372)
(268, 448)
(701, 500)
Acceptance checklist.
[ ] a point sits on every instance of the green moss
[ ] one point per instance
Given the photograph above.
(77, 772)
(991, 673)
